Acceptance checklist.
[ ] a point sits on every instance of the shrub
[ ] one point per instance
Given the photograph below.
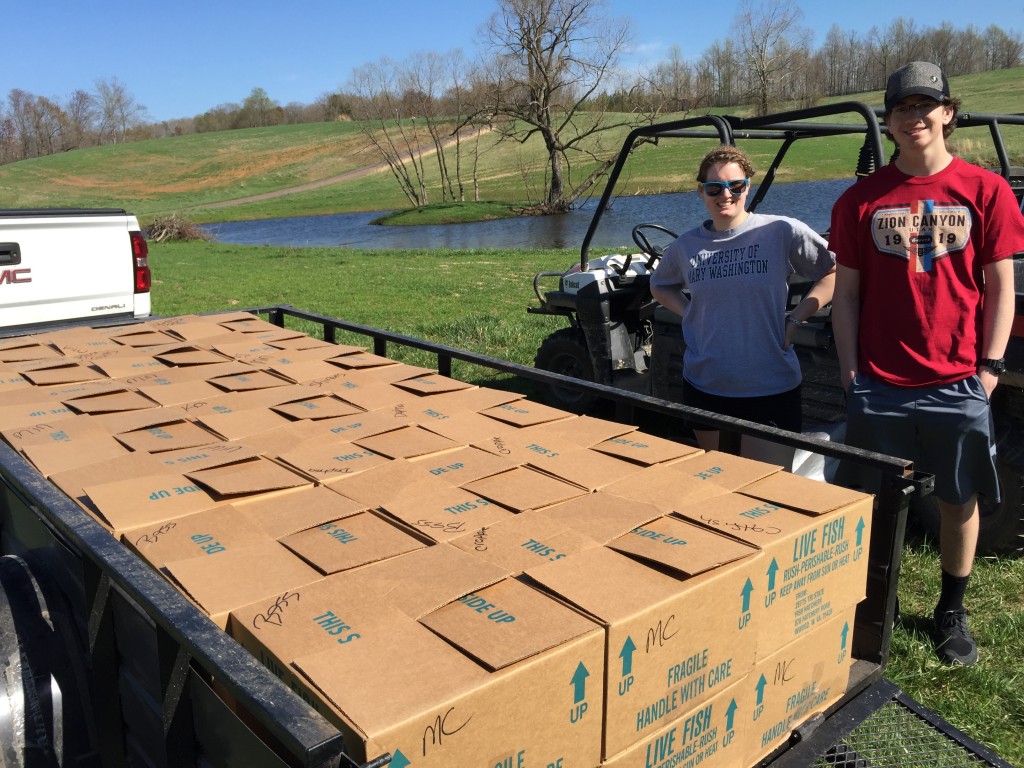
(175, 227)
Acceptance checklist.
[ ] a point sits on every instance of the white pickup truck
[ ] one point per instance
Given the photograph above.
(60, 264)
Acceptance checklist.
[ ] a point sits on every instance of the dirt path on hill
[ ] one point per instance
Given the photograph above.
(352, 175)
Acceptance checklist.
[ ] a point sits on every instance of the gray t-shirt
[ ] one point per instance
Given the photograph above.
(734, 326)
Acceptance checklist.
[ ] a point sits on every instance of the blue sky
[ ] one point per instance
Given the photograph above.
(180, 58)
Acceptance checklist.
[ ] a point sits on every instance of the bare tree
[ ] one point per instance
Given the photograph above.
(773, 47)
(382, 115)
(119, 112)
(80, 115)
(550, 58)
(1002, 50)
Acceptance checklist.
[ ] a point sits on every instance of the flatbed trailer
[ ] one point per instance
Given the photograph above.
(110, 665)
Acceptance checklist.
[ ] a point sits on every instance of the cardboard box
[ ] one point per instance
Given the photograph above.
(523, 541)
(350, 542)
(442, 512)
(297, 510)
(672, 640)
(328, 460)
(351, 606)
(135, 502)
(798, 681)
(814, 565)
(202, 534)
(523, 488)
(645, 449)
(463, 465)
(603, 516)
(709, 735)
(485, 694)
(239, 576)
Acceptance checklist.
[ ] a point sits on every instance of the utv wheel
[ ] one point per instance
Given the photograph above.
(565, 352)
(1002, 525)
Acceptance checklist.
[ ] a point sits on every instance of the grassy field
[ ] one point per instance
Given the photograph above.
(195, 175)
(477, 301)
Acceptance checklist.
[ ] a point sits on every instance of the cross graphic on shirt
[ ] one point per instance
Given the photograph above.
(921, 245)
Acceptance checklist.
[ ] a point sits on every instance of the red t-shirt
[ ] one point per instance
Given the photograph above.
(920, 244)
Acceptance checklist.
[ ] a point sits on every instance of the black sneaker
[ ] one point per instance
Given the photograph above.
(953, 640)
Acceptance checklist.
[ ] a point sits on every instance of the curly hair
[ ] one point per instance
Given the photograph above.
(725, 153)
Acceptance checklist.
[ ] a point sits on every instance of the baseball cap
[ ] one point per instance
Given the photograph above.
(917, 77)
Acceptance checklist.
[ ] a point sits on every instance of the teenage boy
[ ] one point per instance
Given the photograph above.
(923, 305)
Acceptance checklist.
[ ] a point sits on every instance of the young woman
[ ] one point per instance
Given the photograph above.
(739, 360)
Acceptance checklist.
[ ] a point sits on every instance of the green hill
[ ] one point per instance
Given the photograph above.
(332, 168)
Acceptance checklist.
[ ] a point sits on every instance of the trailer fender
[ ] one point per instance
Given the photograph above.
(40, 718)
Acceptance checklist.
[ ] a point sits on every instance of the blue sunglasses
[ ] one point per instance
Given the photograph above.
(715, 188)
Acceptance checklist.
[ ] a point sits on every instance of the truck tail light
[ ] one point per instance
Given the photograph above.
(140, 255)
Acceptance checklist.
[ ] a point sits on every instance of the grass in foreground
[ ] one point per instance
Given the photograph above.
(477, 301)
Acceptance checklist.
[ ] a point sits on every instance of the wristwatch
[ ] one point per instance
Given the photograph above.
(997, 366)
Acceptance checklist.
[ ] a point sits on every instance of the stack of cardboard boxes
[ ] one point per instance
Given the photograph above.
(452, 574)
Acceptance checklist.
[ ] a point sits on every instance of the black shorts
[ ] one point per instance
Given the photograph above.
(781, 411)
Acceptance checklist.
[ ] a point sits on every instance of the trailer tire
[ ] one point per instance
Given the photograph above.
(565, 351)
(42, 720)
(1001, 529)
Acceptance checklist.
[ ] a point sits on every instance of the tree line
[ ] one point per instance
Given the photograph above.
(546, 68)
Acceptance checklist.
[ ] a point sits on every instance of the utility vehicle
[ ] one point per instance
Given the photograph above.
(617, 335)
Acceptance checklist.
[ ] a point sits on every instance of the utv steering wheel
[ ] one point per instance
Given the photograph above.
(654, 252)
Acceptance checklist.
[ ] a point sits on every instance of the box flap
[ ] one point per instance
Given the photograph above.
(329, 460)
(681, 546)
(524, 488)
(665, 487)
(420, 581)
(606, 584)
(136, 501)
(350, 542)
(317, 407)
(208, 455)
(603, 516)
(397, 660)
(802, 493)
(758, 522)
(62, 430)
(247, 477)
(522, 541)
(440, 511)
(431, 384)
(525, 413)
(406, 443)
(724, 469)
(121, 366)
(235, 425)
(244, 382)
(298, 510)
(383, 482)
(67, 373)
(644, 448)
(53, 457)
(583, 467)
(584, 431)
(506, 623)
(240, 576)
(174, 435)
(463, 465)
(207, 533)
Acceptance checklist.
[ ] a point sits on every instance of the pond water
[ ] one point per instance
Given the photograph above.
(809, 201)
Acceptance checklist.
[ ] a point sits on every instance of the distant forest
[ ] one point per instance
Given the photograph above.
(766, 62)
